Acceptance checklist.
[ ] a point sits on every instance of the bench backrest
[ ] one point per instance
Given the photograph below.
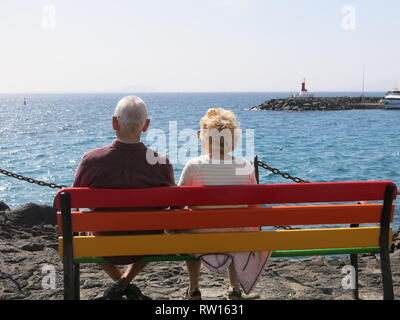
(310, 214)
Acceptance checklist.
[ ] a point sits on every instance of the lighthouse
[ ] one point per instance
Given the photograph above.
(303, 92)
(303, 86)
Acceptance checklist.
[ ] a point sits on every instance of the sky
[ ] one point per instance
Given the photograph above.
(59, 46)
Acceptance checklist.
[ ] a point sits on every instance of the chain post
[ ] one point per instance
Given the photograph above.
(285, 175)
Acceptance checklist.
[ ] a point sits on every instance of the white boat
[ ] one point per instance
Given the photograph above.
(392, 99)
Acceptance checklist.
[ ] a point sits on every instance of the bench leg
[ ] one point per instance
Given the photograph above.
(354, 263)
(384, 240)
(76, 280)
(68, 279)
(68, 260)
(71, 280)
(388, 292)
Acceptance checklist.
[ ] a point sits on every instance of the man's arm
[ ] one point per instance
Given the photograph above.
(82, 175)
(170, 174)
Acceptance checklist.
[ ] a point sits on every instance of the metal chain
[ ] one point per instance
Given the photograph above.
(30, 180)
(284, 175)
(40, 183)
(278, 172)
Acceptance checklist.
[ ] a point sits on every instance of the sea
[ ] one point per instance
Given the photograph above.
(46, 138)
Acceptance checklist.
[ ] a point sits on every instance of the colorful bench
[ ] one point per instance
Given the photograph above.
(310, 240)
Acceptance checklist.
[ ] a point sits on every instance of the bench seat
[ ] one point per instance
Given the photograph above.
(323, 226)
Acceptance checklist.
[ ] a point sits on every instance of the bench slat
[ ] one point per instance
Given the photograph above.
(226, 195)
(275, 254)
(224, 242)
(225, 218)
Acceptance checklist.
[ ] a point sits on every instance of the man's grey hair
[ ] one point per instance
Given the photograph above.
(131, 113)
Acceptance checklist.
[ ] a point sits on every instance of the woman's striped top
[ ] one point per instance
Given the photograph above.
(204, 171)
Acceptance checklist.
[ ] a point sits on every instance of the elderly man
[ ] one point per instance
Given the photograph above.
(123, 164)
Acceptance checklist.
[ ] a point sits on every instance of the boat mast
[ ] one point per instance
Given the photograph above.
(363, 86)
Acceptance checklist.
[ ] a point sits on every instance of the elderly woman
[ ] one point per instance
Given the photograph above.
(219, 132)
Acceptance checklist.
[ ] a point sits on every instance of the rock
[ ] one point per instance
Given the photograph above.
(8, 249)
(90, 284)
(31, 214)
(4, 207)
(32, 247)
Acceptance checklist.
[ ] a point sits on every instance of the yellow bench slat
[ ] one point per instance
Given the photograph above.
(191, 243)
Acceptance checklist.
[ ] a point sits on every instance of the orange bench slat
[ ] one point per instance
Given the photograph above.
(225, 218)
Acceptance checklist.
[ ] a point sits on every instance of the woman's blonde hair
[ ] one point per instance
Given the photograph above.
(219, 128)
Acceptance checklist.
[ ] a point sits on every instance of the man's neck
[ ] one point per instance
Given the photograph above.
(128, 137)
(129, 140)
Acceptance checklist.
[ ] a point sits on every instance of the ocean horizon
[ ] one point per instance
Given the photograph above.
(285, 93)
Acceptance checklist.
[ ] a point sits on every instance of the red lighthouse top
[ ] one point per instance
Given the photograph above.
(304, 92)
(303, 86)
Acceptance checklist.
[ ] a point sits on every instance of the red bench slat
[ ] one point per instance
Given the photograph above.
(226, 195)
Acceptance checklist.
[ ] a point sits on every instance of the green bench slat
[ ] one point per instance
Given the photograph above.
(324, 252)
(275, 254)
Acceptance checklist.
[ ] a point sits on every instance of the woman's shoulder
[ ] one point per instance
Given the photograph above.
(240, 160)
(203, 159)
(243, 167)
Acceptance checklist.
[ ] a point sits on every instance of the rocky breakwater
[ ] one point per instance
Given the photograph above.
(320, 104)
